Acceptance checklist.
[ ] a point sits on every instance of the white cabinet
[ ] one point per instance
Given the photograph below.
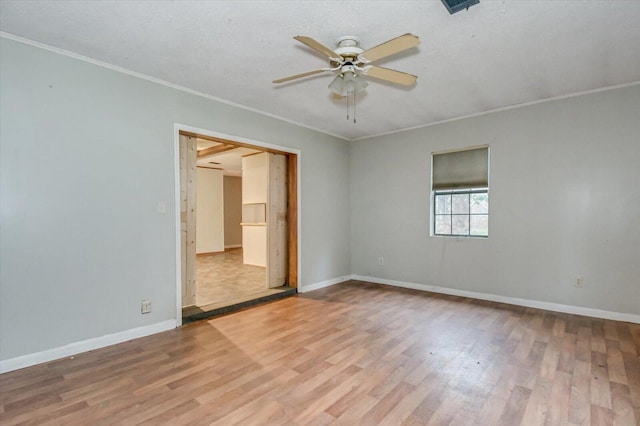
(255, 179)
(254, 245)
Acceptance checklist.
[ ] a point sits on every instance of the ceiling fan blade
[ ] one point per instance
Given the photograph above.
(318, 47)
(304, 74)
(392, 76)
(389, 48)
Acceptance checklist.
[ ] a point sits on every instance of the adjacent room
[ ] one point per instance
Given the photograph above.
(231, 255)
(320, 212)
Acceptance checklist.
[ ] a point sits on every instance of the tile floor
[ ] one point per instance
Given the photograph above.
(222, 277)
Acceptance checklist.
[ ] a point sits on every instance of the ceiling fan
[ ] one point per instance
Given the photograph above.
(350, 62)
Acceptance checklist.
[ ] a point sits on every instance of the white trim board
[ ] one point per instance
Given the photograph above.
(84, 346)
(122, 70)
(232, 246)
(322, 284)
(548, 306)
(135, 333)
(500, 109)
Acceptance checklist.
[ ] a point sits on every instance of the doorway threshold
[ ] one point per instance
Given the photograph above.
(195, 313)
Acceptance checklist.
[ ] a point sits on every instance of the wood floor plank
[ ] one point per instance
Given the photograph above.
(355, 353)
(560, 399)
(601, 416)
(387, 403)
(330, 392)
(353, 415)
(549, 363)
(634, 392)
(164, 416)
(623, 413)
(272, 413)
(580, 402)
(632, 368)
(538, 406)
(628, 343)
(372, 377)
(600, 389)
(405, 407)
(515, 407)
(449, 405)
(567, 359)
(615, 363)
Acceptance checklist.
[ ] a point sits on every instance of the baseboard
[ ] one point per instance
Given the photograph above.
(84, 346)
(210, 252)
(549, 306)
(323, 284)
(230, 246)
(115, 338)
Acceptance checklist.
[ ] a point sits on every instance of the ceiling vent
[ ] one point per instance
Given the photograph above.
(454, 6)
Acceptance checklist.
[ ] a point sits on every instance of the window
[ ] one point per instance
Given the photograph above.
(461, 213)
(460, 192)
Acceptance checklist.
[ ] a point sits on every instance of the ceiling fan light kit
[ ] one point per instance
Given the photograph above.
(347, 81)
(351, 63)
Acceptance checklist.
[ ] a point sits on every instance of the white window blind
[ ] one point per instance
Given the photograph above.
(467, 168)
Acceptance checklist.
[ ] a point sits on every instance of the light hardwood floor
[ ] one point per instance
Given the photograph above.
(354, 353)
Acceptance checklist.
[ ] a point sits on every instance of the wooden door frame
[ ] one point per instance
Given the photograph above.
(294, 212)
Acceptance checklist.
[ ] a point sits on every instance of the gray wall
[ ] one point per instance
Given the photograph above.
(87, 154)
(232, 211)
(564, 202)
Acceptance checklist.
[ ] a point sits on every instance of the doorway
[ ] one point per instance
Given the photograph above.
(218, 274)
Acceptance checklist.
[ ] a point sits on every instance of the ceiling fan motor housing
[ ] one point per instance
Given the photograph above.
(348, 47)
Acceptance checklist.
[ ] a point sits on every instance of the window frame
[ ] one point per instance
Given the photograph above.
(463, 191)
(460, 187)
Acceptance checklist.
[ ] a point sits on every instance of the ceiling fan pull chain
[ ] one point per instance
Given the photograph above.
(347, 106)
(354, 107)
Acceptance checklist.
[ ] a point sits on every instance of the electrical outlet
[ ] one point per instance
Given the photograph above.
(578, 282)
(381, 260)
(145, 306)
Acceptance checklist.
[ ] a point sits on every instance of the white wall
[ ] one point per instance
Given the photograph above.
(255, 176)
(86, 156)
(564, 202)
(209, 211)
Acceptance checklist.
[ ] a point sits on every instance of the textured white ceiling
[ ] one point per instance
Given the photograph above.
(496, 54)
